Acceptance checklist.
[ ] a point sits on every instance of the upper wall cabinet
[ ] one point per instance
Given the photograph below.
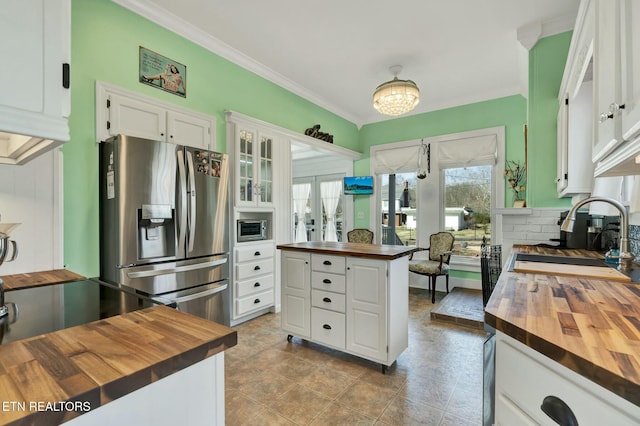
(617, 91)
(254, 166)
(575, 115)
(35, 99)
(132, 114)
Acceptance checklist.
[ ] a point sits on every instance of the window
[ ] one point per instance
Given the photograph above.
(467, 207)
(459, 194)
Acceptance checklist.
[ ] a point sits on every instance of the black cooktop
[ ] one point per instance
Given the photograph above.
(38, 310)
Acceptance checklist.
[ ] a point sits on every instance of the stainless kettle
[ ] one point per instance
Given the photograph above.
(5, 242)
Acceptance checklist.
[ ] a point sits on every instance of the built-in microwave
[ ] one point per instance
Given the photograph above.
(252, 230)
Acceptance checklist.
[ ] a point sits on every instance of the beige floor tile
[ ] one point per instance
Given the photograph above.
(266, 387)
(402, 411)
(327, 382)
(339, 415)
(268, 417)
(300, 404)
(430, 391)
(367, 398)
(466, 404)
(239, 409)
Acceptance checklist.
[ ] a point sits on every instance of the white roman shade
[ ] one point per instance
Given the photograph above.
(474, 151)
(397, 160)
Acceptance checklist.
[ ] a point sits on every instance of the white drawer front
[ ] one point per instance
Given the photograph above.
(254, 252)
(329, 282)
(333, 264)
(254, 269)
(326, 300)
(256, 285)
(254, 302)
(328, 327)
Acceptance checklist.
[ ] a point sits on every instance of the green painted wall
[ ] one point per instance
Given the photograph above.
(104, 47)
(546, 65)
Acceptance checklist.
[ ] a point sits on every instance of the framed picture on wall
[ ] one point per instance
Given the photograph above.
(162, 73)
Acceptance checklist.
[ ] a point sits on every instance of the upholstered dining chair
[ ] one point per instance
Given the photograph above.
(360, 235)
(440, 248)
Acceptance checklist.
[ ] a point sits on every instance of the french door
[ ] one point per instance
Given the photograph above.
(318, 208)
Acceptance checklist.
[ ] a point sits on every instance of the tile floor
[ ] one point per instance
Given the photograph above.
(436, 381)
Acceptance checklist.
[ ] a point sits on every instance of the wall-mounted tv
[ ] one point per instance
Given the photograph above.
(356, 185)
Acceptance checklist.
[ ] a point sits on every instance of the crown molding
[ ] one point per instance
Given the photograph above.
(173, 23)
(528, 35)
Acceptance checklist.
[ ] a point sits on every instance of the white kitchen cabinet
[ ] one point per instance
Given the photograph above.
(630, 63)
(617, 87)
(123, 112)
(254, 166)
(574, 167)
(524, 378)
(35, 99)
(253, 288)
(353, 304)
(296, 293)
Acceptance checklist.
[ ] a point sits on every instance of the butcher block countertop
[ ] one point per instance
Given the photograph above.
(98, 362)
(371, 251)
(37, 279)
(589, 325)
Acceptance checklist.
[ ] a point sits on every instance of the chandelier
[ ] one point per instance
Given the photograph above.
(396, 97)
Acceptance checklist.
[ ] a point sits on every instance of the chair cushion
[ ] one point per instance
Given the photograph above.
(428, 267)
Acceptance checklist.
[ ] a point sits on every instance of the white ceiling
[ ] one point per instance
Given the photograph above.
(335, 52)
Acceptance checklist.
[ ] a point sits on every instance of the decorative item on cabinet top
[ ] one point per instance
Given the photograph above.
(315, 132)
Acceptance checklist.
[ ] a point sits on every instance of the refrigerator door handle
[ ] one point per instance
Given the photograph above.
(182, 193)
(200, 295)
(192, 202)
(185, 268)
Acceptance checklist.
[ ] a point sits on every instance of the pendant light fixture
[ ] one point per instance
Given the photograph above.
(396, 97)
(425, 151)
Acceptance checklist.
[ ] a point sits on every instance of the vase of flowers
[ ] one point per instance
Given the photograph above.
(516, 176)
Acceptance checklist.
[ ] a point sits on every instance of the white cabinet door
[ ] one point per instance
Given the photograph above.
(36, 44)
(132, 117)
(188, 130)
(630, 57)
(296, 293)
(606, 73)
(254, 167)
(367, 308)
(562, 146)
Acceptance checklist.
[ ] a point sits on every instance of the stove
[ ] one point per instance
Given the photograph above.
(39, 310)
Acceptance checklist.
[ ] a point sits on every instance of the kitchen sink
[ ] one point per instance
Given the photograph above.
(564, 260)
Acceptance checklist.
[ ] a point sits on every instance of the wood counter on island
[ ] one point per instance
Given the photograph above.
(348, 296)
(52, 378)
(578, 336)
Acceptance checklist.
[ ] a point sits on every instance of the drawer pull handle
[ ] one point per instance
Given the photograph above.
(257, 268)
(326, 299)
(256, 301)
(559, 411)
(257, 253)
(326, 281)
(326, 262)
(326, 327)
(256, 285)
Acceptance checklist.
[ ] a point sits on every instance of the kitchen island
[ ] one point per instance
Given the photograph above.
(348, 296)
(565, 342)
(151, 366)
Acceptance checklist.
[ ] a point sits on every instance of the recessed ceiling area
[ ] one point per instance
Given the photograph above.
(335, 52)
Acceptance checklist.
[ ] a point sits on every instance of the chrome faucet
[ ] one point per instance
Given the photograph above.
(626, 258)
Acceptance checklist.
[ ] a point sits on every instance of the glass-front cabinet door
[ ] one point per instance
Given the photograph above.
(266, 169)
(254, 150)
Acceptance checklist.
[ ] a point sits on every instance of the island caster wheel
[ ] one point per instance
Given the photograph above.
(289, 338)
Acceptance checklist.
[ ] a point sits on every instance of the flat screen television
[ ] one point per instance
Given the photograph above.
(357, 185)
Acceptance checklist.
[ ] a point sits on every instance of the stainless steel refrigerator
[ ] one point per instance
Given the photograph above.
(164, 223)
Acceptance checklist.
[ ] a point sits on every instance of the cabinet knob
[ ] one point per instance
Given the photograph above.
(326, 327)
(256, 268)
(256, 285)
(171, 136)
(326, 262)
(326, 300)
(326, 281)
(559, 411)
(605, 116)
(257, 253)
(256, 301)
(161, 134)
